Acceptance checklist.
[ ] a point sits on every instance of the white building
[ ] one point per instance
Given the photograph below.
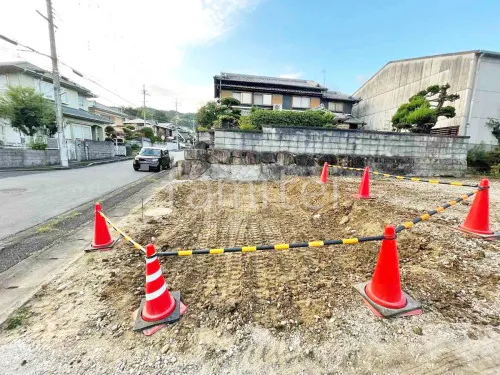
(474, 75)
(79, 123)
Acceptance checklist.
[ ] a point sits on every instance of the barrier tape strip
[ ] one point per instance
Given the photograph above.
(428, 214)
(414, 179)
(282, 246)
(121, 233)
(344, 241)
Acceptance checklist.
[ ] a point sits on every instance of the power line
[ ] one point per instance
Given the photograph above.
(75, 71)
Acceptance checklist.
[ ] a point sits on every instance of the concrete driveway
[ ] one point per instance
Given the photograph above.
(30, 199)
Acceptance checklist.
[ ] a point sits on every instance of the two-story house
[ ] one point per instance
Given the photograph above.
(283, 94)
(114, 115)
(78, 122)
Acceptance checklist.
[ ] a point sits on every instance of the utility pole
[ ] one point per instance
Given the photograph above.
(144, 92)
(176, 123)
(57, 87)
(324, 77)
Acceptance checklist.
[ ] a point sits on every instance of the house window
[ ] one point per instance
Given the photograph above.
(3, 82)
(246, 98)
(262, 99)
(301, 102)
(336, 107)
(82, 132)
(46, 89)
(81, 101)
(237, 96)
(243, 97)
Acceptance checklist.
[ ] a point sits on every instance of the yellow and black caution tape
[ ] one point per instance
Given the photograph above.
(344, 241)
(414, 179)
(281, 246)
(121, 233)
(428, 214)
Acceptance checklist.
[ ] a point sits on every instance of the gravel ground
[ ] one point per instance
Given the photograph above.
(274, 312)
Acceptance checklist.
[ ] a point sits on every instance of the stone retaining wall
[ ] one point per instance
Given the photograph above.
(295, 163)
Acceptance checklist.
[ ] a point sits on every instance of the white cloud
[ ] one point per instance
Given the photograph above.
(125, 44)
(291, 75)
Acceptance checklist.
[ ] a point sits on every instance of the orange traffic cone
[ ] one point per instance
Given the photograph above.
(478, 218)
(364, 186)
(383, 293)
(324, 174)
(102, 238)
(160, 307)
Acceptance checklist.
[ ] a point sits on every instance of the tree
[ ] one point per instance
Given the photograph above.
(418, 115)
(110, 132)
(228, 116)
(494, 124)
(28, 111)
(146, 133)
(129, 133)
(207, 115)
(132, 112)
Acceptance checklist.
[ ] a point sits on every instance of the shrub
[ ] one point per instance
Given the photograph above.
(246, 123)
(310, 118)
(201, 129)
(38, 146)
(493, 157)
(482, 160)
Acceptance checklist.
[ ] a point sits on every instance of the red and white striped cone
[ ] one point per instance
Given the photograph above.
(159, 302)
(160, 306)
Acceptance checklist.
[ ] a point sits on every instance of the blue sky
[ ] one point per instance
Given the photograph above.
(350, 40)
(174, 47)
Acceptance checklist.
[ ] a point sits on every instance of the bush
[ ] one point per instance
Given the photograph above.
(493, 157)
(310, 118)
(201, 129)
(246, 123)
(482, 160)
(38, 146)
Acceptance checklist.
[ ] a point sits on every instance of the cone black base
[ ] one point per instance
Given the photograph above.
(412, 307)
(140, 324)
(102, 248)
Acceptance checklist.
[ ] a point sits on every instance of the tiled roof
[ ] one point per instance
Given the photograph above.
(139, 121)
(339, 96)
(166, 125)
(105, 108)
(81, 114)
(36, 71)
(348, 119)
(271, 89)
(269, 80)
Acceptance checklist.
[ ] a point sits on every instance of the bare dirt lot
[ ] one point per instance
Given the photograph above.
(291, 312)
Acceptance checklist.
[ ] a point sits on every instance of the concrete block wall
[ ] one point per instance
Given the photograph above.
(98, 150)
(428, 155)
(20, 157)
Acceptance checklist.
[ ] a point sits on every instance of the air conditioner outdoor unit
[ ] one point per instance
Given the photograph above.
(277, 107)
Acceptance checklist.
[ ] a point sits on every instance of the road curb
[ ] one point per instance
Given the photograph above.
(58, 167)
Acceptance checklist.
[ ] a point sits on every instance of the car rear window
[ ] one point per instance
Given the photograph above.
(150, 152)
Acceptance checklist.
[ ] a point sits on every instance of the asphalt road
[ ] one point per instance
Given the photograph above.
(30, 199)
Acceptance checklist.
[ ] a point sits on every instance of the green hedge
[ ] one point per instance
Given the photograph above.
(259, 118)
(481, 160)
